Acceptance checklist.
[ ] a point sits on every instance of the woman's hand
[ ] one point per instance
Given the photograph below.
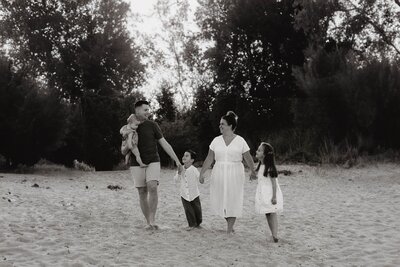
(206, 165)
(273, 200)
(201, 179)
(253, 175)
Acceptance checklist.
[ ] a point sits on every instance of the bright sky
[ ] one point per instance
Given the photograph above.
(145, 8)
(146, 20)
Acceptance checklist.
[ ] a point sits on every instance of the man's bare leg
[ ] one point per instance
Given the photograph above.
(153, 201)
(144, 203)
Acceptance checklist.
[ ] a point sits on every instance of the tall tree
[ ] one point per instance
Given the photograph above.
(351, 72)
(167, 110)
(32, 120)
(255, 49)
(83, 50)
(78, 46)
(368, 28)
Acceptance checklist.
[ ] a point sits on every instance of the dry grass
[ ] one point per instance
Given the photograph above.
(82, 166)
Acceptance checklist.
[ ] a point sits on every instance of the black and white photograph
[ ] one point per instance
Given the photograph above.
(199, 133)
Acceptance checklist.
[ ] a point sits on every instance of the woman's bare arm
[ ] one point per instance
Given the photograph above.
(250, 163)
(207, 164)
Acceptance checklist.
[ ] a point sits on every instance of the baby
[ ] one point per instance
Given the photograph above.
(130, 140)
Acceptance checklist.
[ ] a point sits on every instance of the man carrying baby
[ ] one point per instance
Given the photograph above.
(147, 179)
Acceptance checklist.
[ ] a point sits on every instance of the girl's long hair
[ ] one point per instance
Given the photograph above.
(268, 161)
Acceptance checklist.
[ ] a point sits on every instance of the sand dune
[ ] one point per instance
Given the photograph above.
(332, 217)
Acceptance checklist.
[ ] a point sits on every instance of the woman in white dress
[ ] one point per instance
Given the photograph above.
(227, 176)
(269, 199)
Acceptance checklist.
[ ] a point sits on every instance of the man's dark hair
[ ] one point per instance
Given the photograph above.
(140, 103)
(193, 155)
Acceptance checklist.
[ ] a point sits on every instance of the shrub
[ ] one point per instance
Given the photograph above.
(356, 108)
(32, 118)
(81, 166)
(48, 166)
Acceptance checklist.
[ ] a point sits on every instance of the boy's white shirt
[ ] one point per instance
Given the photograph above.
(188, 181)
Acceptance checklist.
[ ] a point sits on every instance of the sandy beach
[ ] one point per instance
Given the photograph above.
(332, 217)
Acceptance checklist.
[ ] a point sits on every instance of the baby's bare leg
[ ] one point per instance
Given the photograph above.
(127, 158)
(136, 152)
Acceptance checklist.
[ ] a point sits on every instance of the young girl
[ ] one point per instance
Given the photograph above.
(269, 198)
(130, 140)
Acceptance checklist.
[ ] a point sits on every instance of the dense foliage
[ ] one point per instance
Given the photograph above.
(311, 77)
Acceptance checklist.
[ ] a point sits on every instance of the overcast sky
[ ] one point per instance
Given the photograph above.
(145, 20)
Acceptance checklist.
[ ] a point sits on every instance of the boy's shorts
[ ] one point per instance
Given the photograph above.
(143, 175)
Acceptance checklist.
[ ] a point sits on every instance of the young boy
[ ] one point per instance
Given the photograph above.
(188, 179)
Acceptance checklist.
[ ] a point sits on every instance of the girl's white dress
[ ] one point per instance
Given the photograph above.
(263, 203)
(227, 177)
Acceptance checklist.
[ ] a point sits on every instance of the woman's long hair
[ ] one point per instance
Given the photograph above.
(268, 161)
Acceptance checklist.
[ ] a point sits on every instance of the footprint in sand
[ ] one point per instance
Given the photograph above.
(90, 260)
(140, 226)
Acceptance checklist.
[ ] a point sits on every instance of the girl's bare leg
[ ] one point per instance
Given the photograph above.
(272, 219)
(230, 223)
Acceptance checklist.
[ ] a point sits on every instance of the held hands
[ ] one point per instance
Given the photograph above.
(273, 200)
(201, 179)
(253, 175)
(180, 167)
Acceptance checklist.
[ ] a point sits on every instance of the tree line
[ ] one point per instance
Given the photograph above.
(314, 78)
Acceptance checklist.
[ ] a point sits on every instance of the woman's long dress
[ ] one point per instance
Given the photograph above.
(227, 177)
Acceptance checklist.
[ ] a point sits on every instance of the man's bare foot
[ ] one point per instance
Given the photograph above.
(189, 228)
(155, 227)
(199, 227)
(148, 227)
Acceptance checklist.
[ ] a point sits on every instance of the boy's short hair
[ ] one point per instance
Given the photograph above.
(141, 102)
(193, 155)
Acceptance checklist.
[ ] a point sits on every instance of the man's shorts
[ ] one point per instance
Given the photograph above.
(143, 175)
